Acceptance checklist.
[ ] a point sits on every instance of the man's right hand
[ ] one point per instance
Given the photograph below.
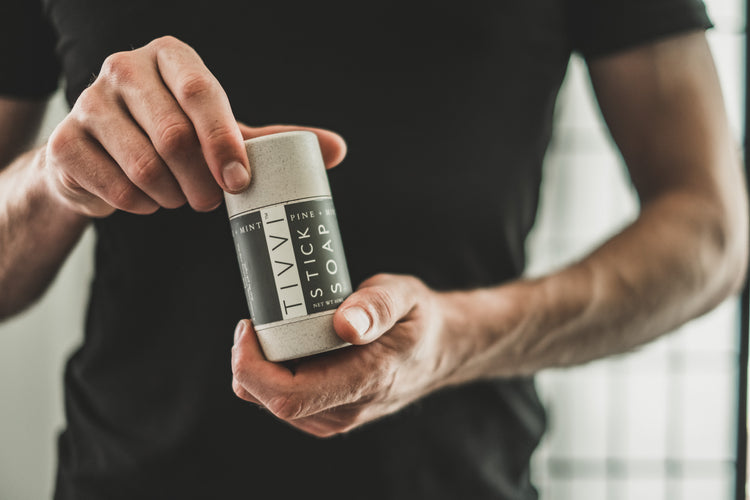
(155, 129)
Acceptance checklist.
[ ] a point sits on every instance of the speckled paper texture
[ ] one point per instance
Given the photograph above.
(288, 246)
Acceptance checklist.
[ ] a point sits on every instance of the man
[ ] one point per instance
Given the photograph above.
(446, 112)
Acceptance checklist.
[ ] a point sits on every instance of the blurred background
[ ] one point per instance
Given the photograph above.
(659, 423)
(656, 424)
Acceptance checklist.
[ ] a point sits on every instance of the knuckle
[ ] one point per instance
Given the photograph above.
(382, 303)
(286, 407)
(168, 43)
(88, 104)
(68, 184)
(174, 136)
(64, 144)
(147, 168)
(59, 142)
(238, 364)
(125, 196)
(194, 86)
(221, 133)
(239, 391)
(119, 68)
(165, 42)
(237, 388)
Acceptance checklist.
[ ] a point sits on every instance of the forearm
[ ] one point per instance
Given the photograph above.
(679, 259)
(36, 232)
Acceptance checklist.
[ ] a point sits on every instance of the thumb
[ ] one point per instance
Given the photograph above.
(378, 304)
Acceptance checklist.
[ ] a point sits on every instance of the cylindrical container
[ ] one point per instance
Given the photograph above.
(288, 246)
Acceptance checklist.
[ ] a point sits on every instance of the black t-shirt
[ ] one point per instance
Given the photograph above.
(447, 112)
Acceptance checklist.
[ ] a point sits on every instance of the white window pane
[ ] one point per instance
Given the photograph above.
(708, 419)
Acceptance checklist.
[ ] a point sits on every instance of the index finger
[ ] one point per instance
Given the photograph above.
(204, 101)
(258, 376)
(316, 385)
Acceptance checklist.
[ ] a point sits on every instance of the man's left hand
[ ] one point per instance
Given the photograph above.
(395, 323)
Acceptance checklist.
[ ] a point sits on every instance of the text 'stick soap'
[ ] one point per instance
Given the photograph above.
(289, 247)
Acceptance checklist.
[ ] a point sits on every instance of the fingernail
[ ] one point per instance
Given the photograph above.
(359, 319)
(239, 331)
(236, 176)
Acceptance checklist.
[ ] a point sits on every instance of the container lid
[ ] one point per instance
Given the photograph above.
(284, 167)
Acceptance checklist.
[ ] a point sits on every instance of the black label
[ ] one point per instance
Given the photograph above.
(292, 260)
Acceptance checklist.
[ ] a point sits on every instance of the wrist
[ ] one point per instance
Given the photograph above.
(484, 328)
(42, 192)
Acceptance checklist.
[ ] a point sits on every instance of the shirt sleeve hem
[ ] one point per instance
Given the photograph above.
(631, 33)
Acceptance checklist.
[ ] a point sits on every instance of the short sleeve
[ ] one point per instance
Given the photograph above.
(600, 27)
(29, 67)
